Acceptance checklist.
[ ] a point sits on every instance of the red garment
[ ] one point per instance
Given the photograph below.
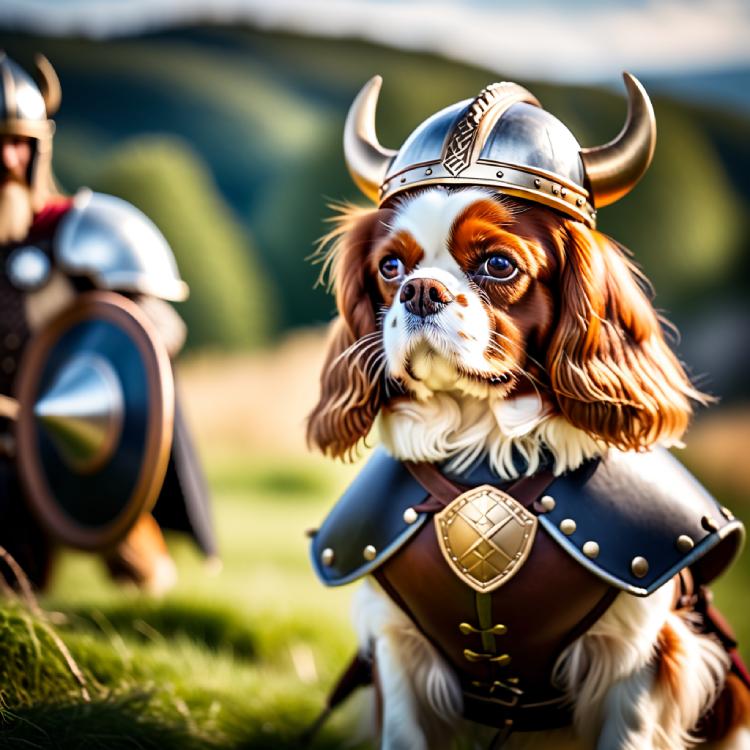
(46, 220)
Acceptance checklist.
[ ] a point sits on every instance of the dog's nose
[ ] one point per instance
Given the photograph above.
(425, 297)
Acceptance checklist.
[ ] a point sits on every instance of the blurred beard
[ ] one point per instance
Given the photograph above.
(16, 213)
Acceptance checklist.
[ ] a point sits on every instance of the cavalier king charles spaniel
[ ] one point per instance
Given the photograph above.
(477, 326)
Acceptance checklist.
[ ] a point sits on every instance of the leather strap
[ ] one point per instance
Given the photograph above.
(358, 673)
(685, 596)
(551, 712)
(434, 481)
(715, 623)
(527, 490)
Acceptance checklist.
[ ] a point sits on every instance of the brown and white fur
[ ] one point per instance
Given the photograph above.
(566, 355)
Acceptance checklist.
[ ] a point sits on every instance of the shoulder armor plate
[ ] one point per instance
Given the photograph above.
(648, 517)
(369, 516)
(644, 516)
(116, 246)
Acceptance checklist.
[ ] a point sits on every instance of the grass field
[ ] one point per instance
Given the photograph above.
(240, 658)
(236, 658)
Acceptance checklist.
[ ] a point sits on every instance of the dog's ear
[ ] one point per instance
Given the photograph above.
(611, 371)
(351, 383)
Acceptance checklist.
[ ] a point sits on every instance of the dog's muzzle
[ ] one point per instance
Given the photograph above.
(424, 297)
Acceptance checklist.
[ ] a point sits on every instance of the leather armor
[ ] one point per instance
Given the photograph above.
(499, 602)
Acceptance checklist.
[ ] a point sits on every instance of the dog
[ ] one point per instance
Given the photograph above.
(478, 326)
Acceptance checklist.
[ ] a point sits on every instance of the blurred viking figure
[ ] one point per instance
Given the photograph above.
(93, 449)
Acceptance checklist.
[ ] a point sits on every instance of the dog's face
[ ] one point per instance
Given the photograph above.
(463, 291)
(466, 295)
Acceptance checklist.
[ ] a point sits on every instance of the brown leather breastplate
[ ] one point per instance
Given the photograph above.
(503, 643)
(502, 578)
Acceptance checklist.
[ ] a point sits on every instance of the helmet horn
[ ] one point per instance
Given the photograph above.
(614, 169)
(49, 84)
(367, 160)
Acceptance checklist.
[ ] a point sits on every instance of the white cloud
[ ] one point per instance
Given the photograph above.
(543, 39)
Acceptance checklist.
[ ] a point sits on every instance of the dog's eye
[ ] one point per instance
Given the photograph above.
(498, 267)
(391, 268)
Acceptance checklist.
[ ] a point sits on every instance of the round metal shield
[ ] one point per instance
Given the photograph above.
(95, 423)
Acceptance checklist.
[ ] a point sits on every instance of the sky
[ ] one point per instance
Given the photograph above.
(577, 40)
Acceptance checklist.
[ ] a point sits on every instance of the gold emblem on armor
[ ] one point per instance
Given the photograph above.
(485, 536)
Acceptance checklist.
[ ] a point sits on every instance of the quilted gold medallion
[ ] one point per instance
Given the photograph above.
(485, 536)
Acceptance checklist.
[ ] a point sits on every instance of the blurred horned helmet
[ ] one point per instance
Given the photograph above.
(26, 106)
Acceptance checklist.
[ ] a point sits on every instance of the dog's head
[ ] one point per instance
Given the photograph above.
(489, 293)
(469, 292)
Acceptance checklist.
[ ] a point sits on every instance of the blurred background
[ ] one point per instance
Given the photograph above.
(222, 121)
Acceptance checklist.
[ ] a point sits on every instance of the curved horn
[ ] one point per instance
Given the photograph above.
(367, 160)
(614, 169)
(49, 84)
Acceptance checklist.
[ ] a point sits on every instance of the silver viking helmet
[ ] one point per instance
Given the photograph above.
(26, 106)
(505, 140)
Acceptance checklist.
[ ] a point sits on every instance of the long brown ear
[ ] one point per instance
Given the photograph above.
(611, 370)
(351, 383)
